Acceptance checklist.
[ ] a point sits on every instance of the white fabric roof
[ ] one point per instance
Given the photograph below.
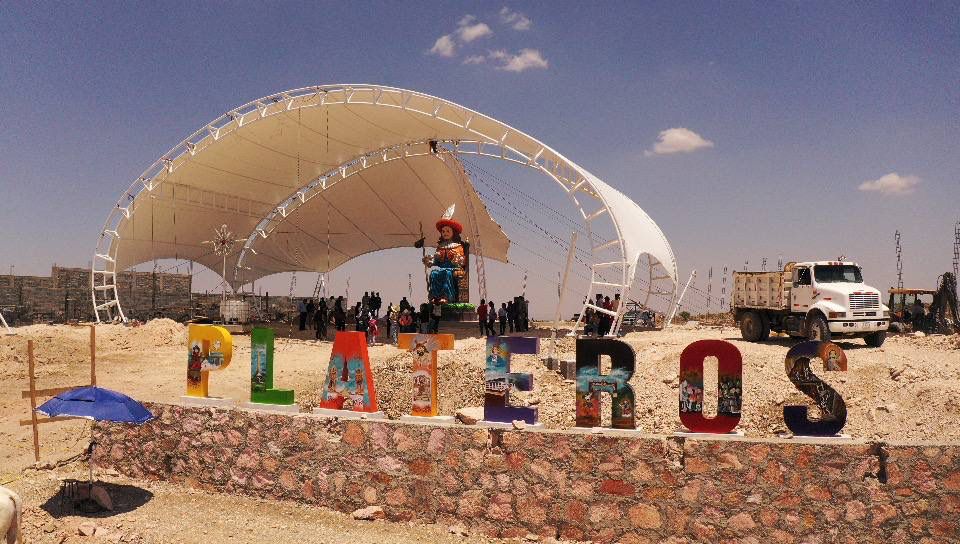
(379, 208)
(239, 168)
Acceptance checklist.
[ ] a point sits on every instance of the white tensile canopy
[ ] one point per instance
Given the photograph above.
(381, 207)
(311, 178)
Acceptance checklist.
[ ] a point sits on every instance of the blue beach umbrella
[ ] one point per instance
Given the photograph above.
(98, 404)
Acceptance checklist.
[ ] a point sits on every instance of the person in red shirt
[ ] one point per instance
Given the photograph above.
(482, 316)
(607, 321)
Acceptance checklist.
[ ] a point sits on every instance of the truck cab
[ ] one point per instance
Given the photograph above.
(834, 292)
(819, 300)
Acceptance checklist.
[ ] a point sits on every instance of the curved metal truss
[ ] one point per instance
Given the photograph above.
(492, 139)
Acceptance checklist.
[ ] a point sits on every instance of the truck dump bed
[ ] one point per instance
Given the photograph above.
(766, 290)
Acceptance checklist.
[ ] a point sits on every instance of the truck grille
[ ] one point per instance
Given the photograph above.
(864, 301)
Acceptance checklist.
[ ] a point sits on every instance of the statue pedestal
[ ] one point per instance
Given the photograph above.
(507, 426)
(289, 408)
(608, 431)
(834, 439)
(431, 420)
(208, 401)
(348, 414)
(714, 436)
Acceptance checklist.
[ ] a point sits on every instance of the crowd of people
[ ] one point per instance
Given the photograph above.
(597, 323)
(318, 315)
(513, 316)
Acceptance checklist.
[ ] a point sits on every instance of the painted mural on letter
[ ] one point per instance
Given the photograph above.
(210, 350)
(499, 380)
(729, 386)
(261, 370)
(425, 348)
(349, 382)
(833, 411)
(591, 383)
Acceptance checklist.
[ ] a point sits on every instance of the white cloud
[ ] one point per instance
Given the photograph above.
(515, 19)
(475, 59)
(678, 140)
(467, 31)
(444, 46)
(891, 184)
(526, 59)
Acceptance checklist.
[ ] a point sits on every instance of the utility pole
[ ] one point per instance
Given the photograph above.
(709, 288)
(896, 237)
(956, 250)
(723, 289)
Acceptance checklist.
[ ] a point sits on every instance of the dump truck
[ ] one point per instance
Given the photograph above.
(818, 300)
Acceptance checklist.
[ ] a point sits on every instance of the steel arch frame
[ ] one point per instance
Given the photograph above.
(569, 176)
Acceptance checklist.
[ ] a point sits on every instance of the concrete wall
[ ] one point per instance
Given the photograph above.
(65, 295)
(603, 487)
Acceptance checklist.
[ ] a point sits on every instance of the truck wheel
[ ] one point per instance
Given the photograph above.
(817, 329)
(875, 339)
(764, 327)
(751, 326)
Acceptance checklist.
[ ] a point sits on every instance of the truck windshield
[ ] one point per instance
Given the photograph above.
(842, 273)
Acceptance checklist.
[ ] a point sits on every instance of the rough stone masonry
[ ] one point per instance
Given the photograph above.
(606, 487)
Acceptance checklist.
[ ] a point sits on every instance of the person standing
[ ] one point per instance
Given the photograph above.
(302, 310)
(512, 315)
(424, 318)
(502, 314)
(482, 316)
(320, 318)
(607, 320)
(311, 310)
(491, 317)
(404, 304)
(373, 330)
(340, 315)
(524, 312)
(436, 313)
(588, 325)
(389, 315)
(364, 303)
(358, 317)
(393, 323)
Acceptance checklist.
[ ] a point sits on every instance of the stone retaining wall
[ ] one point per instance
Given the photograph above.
(65, 295)
(608, 487)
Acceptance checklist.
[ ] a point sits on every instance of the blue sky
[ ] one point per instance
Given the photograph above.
(803, 103)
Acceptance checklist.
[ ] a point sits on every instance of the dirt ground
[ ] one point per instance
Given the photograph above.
(907, 390)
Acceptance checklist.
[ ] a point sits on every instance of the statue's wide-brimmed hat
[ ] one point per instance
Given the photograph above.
(457, 227)
(448, 221)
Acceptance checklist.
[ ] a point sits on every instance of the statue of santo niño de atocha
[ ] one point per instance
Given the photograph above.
(448, 280)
